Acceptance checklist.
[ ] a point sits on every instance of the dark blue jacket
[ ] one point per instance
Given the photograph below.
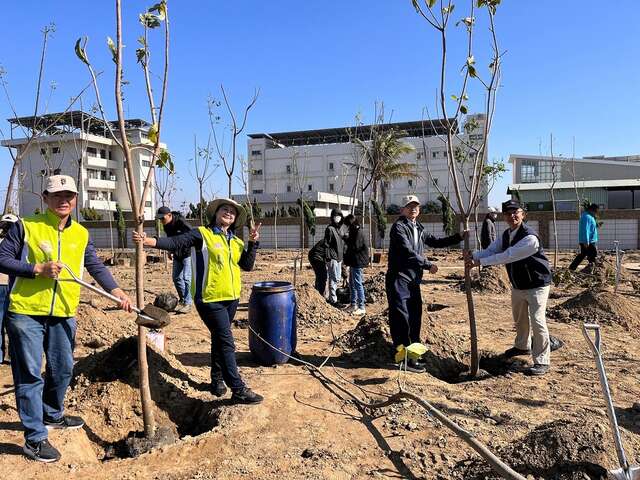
(530, 272)
(406, 260)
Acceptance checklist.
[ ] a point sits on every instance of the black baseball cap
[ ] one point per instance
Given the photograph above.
(510, 206)
(162, 211)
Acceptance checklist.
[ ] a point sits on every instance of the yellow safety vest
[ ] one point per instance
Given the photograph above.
(221, 276)
(46, 296)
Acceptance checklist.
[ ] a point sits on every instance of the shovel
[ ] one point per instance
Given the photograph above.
(626, 471)
(150, 316)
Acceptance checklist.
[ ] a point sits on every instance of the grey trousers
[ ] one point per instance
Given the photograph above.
(334, 272)
(529, 316)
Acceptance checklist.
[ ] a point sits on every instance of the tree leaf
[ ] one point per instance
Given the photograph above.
(463, 109)
(431, 3)
(416, 5)
(149, 20)
(471, 60)
(81, 44)
(166, 161)
(161, 9)
(472, 71)
(112, 47)
(153, 133)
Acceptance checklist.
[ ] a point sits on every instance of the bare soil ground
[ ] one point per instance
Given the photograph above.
(552, 427)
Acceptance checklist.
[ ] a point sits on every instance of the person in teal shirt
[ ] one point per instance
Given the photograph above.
(588, 238)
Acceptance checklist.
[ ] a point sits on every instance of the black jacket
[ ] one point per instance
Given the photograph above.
(406, 260)
(357, 252)
(176, 227)
(530, 272)
(488, 232)
(334, 241)
(318, 253)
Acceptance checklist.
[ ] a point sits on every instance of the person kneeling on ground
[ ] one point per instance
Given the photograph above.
(42, 305)
(318, 260)
(404, 275)
(216, 290)
(356, 258)
(520, 250)
(173, 225)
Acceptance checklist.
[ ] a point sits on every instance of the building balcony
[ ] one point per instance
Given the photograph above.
(102, 205)
(92, 161)
(101, 184)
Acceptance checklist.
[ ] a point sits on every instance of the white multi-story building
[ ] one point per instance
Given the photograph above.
(79, 144)
(320, 163)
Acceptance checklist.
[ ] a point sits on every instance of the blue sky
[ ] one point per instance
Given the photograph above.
(571, 68)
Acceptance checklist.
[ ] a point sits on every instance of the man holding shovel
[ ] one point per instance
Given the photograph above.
(42, 306)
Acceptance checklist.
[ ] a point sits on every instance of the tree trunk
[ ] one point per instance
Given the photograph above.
(14, 171)
(475, 361)
(555, 230)
(143, 365)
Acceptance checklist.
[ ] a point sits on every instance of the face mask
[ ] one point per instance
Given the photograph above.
(336, 219)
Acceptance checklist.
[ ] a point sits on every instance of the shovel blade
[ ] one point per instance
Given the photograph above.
(153, 317)
(620, 474)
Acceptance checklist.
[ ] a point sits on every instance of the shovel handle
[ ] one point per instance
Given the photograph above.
(95, 289)
(594, 343)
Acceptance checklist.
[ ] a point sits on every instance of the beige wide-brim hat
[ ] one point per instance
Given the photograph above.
(213, 207)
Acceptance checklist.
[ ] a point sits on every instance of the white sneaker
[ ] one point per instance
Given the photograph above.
(351, 309)
(359, 311)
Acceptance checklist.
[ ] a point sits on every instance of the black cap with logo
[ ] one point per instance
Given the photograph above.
(510, 205)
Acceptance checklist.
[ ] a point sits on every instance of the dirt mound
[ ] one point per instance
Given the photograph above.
(313, 309)
(105, 392)
(559, 450)
(97, 328)
(493, 279)
(370, 342)
(603, 273)
(599, 306)
(374, 289)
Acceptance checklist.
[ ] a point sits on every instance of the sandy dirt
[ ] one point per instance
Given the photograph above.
(551, 427)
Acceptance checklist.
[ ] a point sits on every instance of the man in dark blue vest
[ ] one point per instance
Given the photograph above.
(520, 250)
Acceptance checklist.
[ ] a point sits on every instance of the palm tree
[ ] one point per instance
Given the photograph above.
(381, 154)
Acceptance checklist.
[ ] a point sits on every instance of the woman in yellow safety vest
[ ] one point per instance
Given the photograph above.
(217, 256)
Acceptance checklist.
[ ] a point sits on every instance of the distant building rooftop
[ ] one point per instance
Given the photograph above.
(425, 128)
(65, 122)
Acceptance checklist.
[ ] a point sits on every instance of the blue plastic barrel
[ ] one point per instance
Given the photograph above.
(272, 315)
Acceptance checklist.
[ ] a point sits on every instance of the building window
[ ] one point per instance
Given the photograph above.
(435, 181)
(331, 187)
(331, 166)
(92, 151)
(259, 190)
(529, 171)
(288, 188)
(621, 199)
(55, 150)
(410, 182)
(434, 154)
(257, 172)
(146, 163)
(103, 153)
(43, 151)
(418, 155)
(309, 187)
(109, 154)
(256, 152)
(288, 168)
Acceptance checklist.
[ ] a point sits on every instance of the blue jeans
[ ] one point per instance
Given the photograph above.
(182, 278)
(356, 286)
(4, 302)
(38, 398)
(217, 316)
(334, 272)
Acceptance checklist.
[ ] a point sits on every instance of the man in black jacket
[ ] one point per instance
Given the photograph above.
(488, 232)
(334, 240)
(173, 225)
(404, 275)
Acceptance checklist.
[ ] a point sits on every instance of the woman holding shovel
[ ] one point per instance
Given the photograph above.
(217, 258)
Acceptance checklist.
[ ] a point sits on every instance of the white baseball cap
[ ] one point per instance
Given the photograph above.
(60, 183)
(410, 199)
(492, 210)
